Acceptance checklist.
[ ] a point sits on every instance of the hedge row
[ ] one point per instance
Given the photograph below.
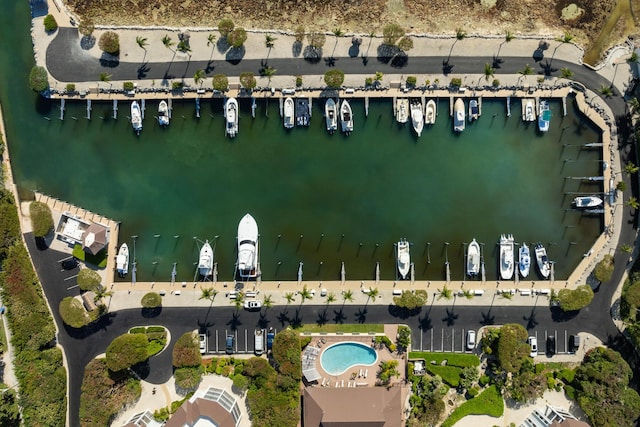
(453, 359)
(38, 365)
(489, 402)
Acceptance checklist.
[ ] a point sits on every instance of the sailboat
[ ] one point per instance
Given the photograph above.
(163, 113)
(331, 115)
(417, 117)
(248, 247)
(122, 260)
(473, 258)
(136, 117)
(288, 113)
(205, 263)
(231, 115)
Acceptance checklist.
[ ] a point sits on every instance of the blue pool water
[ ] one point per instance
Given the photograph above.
(338, 358)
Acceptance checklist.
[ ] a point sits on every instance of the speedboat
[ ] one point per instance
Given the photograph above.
(205, 263)
(403, 258)
(528, 112)
(524, 257)
(136, 117)
(122, 260)
(289, 113)
(541, 259)
(474, 111)
(587, 202)
(417, 117)
(248, 247)
(473, 258)
(458, 115)
(163, 113)
(544, 116)
(506, 257)
(346, 117)
(430, 116)
(231, 115)
(331, 115)
(402, 110)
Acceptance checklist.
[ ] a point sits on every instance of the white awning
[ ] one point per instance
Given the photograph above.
(311, 374)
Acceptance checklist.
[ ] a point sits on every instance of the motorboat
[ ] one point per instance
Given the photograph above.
(506, 256)
(136, 117)
(417, 117)
(231, 115)
(524, 257)
(331, 115)
(247, 247)
(289, 113)
(430, 115)
(585, 202)
(403, 258)
(205, 262)
(541, 259)
(346, 117)
(122, 260)
(402, 110)
(528, 112)
(474, 111)
(544, 116)
(458, 115)
(473, 258)
(163, 113)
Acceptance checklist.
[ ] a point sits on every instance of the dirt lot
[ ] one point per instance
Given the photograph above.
(362, 16)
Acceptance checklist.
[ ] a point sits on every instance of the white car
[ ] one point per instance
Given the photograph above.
(252, 304)
(203, 343)
(471, 339)
(533, 342)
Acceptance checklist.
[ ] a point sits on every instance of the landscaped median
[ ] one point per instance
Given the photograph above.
(489, 402)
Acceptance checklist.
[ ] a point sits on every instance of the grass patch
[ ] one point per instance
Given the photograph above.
(453, 359)
(99, 260)
(489, 402)
(347, 328)
(156, 335)
(449, 374)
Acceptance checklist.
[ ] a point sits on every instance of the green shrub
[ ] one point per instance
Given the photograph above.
(41, 219)
(225, 26)
(512, 347)
(484, 380)
(188, 378)
(156, 329)
(38, 79)
(304, 341)
(86, 27)
(460, 360)
(73, 313)
(248, 80)
(237, 37)
(368, 81)
(576, 299)
(138, 330)
(177, 85)
(298, 81)
(495, 83)
(71, 88)
(126, 350)
(539, 367)
(151, 300)
(456, 82)
(220, 82)
(128, 86)
(411, 81)
(567, 375)
(604, 269)
(473, 392)
(110, 42)
(155, 347)
(449, 374)
(50, 24)
(570, 391)
(186, 351)
(411, 300)
(88, 280)
(334, 78)
(489, 402)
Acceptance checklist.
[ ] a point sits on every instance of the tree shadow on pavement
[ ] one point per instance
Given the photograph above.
(322, 318)
(148, 313)
(558, 315)
(403, 313)
(283, 317)
(339, 316)
(361, 315)
(235, 321)
(425, 323)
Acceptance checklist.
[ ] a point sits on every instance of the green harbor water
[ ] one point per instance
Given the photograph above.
(318, 199)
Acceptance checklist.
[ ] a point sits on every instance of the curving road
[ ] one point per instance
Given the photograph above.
(68, 63)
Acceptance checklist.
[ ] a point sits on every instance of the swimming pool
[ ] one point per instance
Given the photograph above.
(338, 358)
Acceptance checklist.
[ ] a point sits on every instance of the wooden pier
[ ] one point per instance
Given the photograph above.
(115, 109)
(564, 105)
(88, 109)
(508, 106)
(480, 106)
(366, 106)
(197, 108)
(451, 101)
(61, 108)
(143, 107)
(253, 107)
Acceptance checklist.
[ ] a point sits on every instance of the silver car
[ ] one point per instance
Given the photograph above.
(471, 339)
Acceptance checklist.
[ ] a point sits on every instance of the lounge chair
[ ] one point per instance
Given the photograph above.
(366, 372)
(360, 374)
(342, 384)
(324, 380)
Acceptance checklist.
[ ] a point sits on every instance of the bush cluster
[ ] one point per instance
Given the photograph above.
(187, 360)
(38, 79)
(110, 42)
(575, 299)
(151, 300)
(126, 350)
(50, 24)
(41, 219)
(73, 313)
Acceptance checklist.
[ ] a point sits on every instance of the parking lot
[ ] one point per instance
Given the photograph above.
(243, 340)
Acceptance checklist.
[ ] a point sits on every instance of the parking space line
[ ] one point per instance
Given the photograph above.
(442, 340)
(71, 287)
(70, 277)
(432, 340)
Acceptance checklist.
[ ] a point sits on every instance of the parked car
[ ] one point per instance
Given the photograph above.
(203, 343)
(574, 343)
(270, 337)
(533, 342)
(551, 345)
(69, 263)
(471, 339)
(252, 304)
(230, 340)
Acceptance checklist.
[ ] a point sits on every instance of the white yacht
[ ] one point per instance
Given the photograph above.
(541, 259)
(136, 117)
(587, 202)
(528, 111)
(544, 116)
(458, 115)
(402, 110)
(474, 111)
(163, 113)
(122, 260)
(205, 263)
(346, 117)
(331, 115)
(430, 116)
(417, 116)
(524, 257)
(247, 247)
(506, 257)
(231, 115)
(473, 258)
(289, 113)
(403, 258)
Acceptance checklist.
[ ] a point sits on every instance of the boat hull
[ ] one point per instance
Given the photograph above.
(136, 117)
(402, 110)
(506, 257)
(544, 266)
(205, 262)
(458, 115)
(247, 263)
(403, 258)
(346, 117)
(524, 260)
(231, 117)
(417, 117)
(430, 116)
(473, 258)
(331, 115)
(122, 260)
(163, 114)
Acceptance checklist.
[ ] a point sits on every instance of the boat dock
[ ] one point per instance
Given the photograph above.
(302, 112)
(88, 109)
(197, 108)
(61, 108)
(143, 107)
(253, 107)
(480, 106)
(366, 106)
(508, 106)
(564, 105)
(115, 109)
(451, 102)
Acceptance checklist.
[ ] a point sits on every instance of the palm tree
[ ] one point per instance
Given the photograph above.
(239, 301)
(199, 76)
(566, 37)
(488, 71)
(142, 42)
(101, 292)
(184, 47)
(289, 297)
(268, 72)
(566, 73)
(468, 294)
(606, 91)
(331, 297)
(208, 294)
(526, 71)
(630, 168)
(460, 34)
(305, 294)
(267, 301)
(634, 105)
(445, 293)
(632, 203)
(508, 36)
(347, 296)
(167, 42)
(211, 38)
(372, 294)
(633, 58)
(269, 40)
(105, 77)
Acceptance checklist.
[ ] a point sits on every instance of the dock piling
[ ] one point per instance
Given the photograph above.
(480, 105)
